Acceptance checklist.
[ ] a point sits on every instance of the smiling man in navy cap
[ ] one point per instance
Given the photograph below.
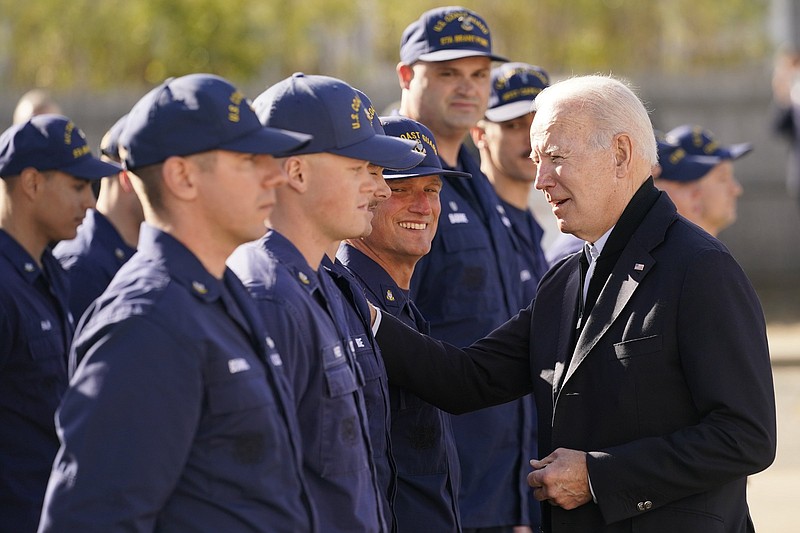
(697, 173)
(46, 168)
(179, 416)
(402, 230)
(503, 140)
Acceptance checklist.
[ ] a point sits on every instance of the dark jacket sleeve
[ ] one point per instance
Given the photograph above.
(494, 370)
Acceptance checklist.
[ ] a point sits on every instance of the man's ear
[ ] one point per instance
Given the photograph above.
(478, 134)
(404, 75)
(125, 181)
(180, 177)
(30, 182)
(623, 154)
(296, 169)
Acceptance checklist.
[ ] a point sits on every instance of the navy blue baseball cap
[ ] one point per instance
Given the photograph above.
(699, 141)
(678, 165)
(514, 87)
(446, 33)
(50, 142)
(109, 144)
(372, 115)
(411, 157)
(197, 113)
(333, 112)
(406, 128)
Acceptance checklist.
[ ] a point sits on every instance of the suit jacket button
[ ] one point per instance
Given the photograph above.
(644, 506)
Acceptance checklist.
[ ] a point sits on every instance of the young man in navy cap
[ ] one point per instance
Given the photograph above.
(46, 168)
(367, 353)
(179, 416)
(107, 236)
(327, 199)
(503, 140)
(383, 261)
(469, 282)
(697, 173)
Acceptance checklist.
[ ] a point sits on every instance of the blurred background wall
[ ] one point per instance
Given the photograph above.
(708, 63)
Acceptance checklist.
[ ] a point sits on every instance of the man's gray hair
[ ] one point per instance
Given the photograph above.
(613, 108)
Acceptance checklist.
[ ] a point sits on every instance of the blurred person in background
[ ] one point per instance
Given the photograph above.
(35, 102)
(786, 112)
(46, 168)
(503, 140)
(107, 236)
(697, 172)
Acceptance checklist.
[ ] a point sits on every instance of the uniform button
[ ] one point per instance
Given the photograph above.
(644, 506)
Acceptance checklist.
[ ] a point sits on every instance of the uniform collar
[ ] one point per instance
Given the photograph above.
(97, 222)
(20, 259)
(183, 266)
(388, 294)
(287, 254)
(632, 216)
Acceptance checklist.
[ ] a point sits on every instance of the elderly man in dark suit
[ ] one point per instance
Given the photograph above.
(646, 352)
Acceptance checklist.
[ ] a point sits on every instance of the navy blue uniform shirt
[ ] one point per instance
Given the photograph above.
(467, 285)
(179, 417)
(91, 259)
(533, 263)
(422, 438)
(304, 315)
(35, 329)
(376, 383)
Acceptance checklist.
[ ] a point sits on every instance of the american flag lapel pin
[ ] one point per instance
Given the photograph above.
(638, 266)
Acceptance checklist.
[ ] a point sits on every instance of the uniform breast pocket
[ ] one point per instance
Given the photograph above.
(46, 348)
(468, 273)
(342, 445)
(240, 394)
(244, 436)
(417, 439)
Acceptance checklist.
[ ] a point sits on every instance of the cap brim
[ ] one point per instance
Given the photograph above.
(269, 141)
(690, 168)
(510, 111)
(735, 151)
(449, 55)
(89, 168)
(382, 150)
(409, 159)
(419, 172)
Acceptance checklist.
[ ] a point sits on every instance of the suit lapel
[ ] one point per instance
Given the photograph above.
(632, 266)
(566, 322)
